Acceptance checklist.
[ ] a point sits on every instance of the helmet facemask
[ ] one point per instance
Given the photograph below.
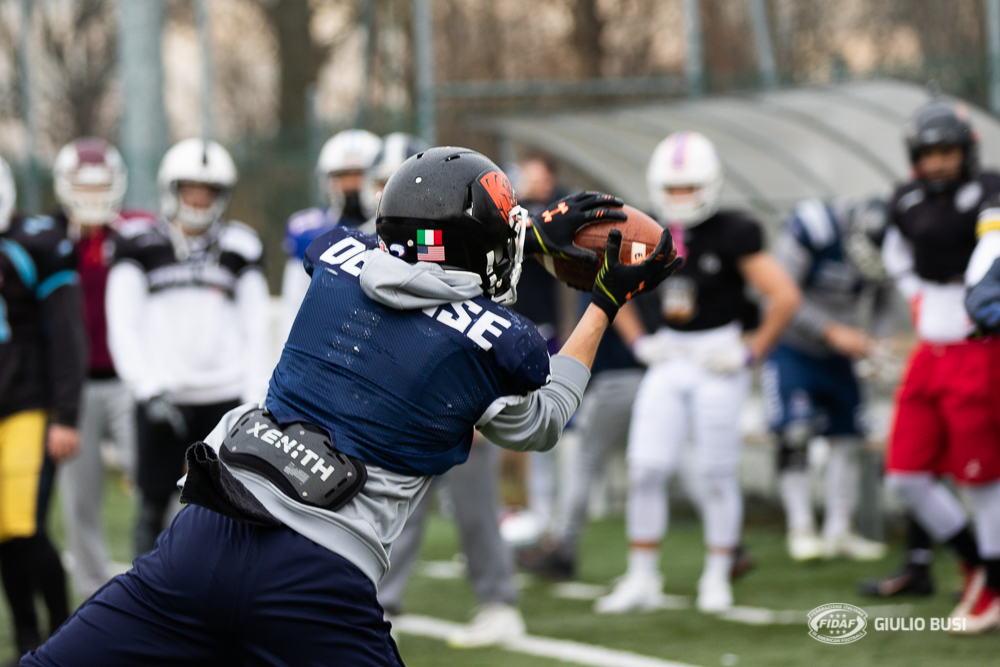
(509, 267)
(197, 220)
(90, 180)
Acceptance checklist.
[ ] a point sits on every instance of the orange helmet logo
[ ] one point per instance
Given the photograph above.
(498, 187)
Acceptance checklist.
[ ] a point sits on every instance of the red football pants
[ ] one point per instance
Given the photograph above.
(947, 419)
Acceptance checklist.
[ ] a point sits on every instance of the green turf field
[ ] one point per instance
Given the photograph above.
(683, 635)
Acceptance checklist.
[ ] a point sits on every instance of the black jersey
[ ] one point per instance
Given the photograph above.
(42, 345)
(709, 290)
(941, 228)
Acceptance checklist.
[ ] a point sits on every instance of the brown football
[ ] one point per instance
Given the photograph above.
(640, 234)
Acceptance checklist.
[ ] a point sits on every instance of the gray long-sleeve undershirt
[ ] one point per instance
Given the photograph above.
(828, 296)
(535, 422)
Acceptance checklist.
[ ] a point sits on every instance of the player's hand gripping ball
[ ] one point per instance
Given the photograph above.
(553, 230)
(640, 234)
(617, 281)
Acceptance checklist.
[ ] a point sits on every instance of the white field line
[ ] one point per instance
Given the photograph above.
(557, 649)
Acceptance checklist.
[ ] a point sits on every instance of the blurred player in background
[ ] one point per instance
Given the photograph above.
(187, 308)
(945, 421)
(90, 182)
(810, 388)
(348, 202)
(283, 567)
(538, 190)
(698, 374)
(983, 305)
(602, 424)
(42, 367)
(396, 149)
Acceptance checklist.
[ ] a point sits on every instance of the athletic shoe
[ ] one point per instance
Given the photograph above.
(636, 591)
(714, 594)
(911, 580)
(803, 545)
(972, 589)
(983, 617)
(743, 562)
(495, 623)
(549, 563)
(854, 547)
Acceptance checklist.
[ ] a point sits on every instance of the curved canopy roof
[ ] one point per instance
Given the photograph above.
(843, 140)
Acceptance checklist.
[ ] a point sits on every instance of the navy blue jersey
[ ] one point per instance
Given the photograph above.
(401, 389)
(305, 227)
(831, 270)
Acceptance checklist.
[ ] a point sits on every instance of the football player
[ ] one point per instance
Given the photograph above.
(401, 348)
(698, 374)
(474, 493)
(810, 388)
(349, 201)
(602, 426)
(90, 182)
(187, 308)
(42, 367)
(945, 421)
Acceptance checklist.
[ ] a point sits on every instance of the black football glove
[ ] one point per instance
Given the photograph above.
(552, 231)
(616, 283)
(159, 410)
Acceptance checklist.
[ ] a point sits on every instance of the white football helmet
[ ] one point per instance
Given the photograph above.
(344, 152)
(8, 195)
(195, 161)
(397, 148)
(685, 159)
(90, 181)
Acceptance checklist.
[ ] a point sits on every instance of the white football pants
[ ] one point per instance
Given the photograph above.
(679, 399)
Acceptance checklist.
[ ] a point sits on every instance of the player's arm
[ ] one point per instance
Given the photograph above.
(982, 277)
(781, 294)
(536, 421)
(792, 253)
(62, 305)
(897, 255)
(125, 306)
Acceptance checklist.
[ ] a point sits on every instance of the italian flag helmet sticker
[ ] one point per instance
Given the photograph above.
(429, 236)
(429, 245)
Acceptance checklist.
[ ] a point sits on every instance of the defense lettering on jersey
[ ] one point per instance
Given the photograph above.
(460, 315)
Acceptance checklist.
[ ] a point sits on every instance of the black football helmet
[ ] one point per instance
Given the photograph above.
(941, 123)
(455, 207)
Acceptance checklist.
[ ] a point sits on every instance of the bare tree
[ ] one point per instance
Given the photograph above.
(588, 26)
(299, 55)
(78, 39)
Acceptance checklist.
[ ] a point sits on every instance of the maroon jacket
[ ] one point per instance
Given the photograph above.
(94, 252)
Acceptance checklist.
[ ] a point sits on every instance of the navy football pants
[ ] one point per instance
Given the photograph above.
(221, 592)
